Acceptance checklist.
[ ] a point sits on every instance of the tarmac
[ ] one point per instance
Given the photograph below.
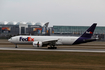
(55, 50)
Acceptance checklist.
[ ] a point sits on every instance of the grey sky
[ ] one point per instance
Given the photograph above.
(57, 12)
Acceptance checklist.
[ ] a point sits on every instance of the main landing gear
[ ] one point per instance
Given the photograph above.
(52, 46)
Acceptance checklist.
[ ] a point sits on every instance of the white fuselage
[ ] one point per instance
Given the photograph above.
(30, 39)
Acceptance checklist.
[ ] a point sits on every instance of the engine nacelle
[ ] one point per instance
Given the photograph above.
(37, 44)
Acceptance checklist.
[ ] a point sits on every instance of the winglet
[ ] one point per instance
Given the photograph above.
(89, 32)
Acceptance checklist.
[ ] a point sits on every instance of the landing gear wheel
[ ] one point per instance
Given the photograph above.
(55, 47)
(52, 47)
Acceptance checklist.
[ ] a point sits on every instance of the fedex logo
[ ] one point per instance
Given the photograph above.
(26, 39)
(89, 32)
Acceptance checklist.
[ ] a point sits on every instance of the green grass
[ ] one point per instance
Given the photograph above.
(27, 60)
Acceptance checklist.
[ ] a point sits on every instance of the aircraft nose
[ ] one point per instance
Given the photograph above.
(9, 40)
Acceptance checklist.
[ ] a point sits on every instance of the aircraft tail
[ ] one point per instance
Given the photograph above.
(86, 37)
(89, 32)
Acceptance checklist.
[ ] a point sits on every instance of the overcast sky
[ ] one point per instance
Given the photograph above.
(57, 12)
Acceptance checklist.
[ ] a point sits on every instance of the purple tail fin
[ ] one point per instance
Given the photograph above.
(86, 37)
(89, 32)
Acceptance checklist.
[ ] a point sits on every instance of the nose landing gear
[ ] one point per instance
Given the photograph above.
(16, 46)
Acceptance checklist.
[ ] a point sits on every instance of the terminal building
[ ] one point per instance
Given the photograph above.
(23, 28)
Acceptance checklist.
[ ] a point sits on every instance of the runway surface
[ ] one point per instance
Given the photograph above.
(57, 50)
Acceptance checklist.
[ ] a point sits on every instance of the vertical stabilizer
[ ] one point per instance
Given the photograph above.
(86, 36)
(89, 32)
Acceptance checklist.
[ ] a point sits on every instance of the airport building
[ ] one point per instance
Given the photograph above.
(23, 28)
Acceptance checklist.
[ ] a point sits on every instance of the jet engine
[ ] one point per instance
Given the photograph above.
(37, 44)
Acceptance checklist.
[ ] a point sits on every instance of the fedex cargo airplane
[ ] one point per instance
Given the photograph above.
(43, 41)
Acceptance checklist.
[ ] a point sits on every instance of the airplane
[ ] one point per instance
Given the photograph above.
(43, 41)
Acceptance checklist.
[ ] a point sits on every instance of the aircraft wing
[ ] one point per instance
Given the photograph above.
(49, 41)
